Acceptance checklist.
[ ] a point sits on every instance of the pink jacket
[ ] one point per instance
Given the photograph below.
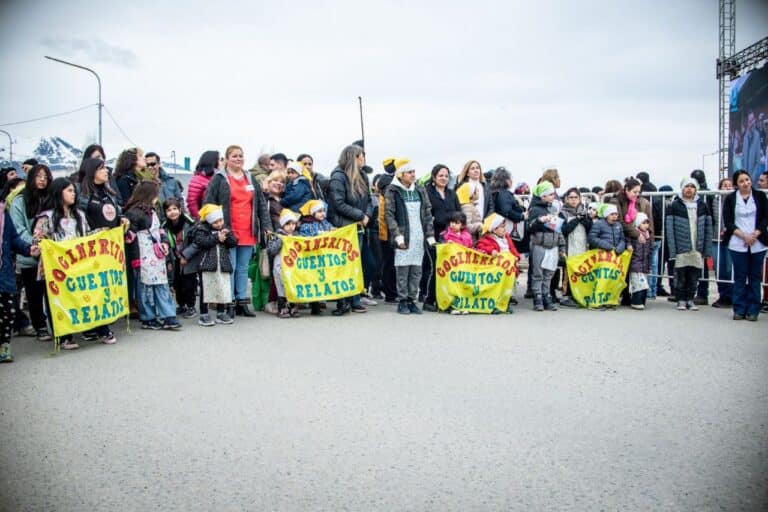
(196, 193)
(462, 238)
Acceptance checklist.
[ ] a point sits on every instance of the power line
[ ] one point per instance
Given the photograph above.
(118, 126)
(50, 116)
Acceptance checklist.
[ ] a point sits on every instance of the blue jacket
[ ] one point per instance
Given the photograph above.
(169, 187)
(297, 192)
(607, 236)
(12, 242)
(311, 227)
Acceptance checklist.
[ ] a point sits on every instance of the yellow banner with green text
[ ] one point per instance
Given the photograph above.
(597, 277)
(323, 267)
(468, 280)
(85, 281)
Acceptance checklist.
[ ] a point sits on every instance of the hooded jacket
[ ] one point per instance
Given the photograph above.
(607, 236)
(218, 192)
(297, 192)
(396, 214)
(540, 233)
(678, 230)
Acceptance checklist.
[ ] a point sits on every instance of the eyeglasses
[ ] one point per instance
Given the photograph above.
(572, 197)
(151, 164)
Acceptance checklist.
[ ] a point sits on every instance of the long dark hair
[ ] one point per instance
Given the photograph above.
(35, 199)
(87, 156)
(629, 184)
(208, 163)
(87, 185)
(126, 162)
(143, 196)
(9, 185)
(499, 179)
(436, 169)
(55, 203)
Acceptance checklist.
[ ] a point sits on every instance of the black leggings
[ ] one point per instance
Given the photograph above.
(35, 296)
(7, 314)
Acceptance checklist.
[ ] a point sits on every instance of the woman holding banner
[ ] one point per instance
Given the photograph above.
(246, 214)
(349, 202)
(64, 221)
(472, 173)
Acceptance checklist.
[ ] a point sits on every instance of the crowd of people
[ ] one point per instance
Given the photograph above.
(212, 254)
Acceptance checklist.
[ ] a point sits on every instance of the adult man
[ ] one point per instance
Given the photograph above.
(169, 186)
(752, 152)
(260, 171)
(278, 162)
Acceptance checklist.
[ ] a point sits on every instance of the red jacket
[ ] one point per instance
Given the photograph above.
(488, 244)
(196, 193)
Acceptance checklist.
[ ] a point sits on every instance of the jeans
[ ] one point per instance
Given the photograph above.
(747, 272)
(653, 281)
(408, 278)
(240, 257)
(723, 264)
(155, 302)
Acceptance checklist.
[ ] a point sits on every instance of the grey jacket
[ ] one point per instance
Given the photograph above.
(678, 229)
(607, 236)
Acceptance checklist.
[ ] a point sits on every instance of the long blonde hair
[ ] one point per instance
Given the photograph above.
(348, 163)
(465, 171)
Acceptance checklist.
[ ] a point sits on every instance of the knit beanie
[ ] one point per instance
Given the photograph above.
(544, 188)
(606, 209)
(288, 215)
(491, 222)
(312, 206)
(640, 218)
(689, 181)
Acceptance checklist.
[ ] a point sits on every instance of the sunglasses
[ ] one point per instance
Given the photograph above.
(152, 164)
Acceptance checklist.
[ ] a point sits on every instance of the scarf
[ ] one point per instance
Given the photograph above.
(573, 212)
(144, 175)
(629, 218)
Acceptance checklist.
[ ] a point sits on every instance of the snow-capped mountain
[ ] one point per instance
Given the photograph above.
(56, 153)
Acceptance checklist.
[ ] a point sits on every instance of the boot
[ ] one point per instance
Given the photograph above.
(538, 304)
(243, 308)
(342, 306)
(282, 308)
(231, 310)
(316, 309)
(549, 304)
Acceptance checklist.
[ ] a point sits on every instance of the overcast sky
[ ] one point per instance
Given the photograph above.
(599, 89)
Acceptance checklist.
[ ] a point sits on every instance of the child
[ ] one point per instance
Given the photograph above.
(177, 226)
(11, 242)
(297, 188)
(640, 264)
(456, 231)
(468, 197)
(314, 223)
(65, 222)
(288, 221)
(592, 211)
(147, 252)
(496, 240)
(689, 239)
(607, 234)
(208, 253)
(547, 244)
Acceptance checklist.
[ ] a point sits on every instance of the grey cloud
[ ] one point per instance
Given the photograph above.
(95, 50)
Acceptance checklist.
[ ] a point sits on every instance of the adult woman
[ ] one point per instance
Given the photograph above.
(24, 209)
(444, 202)
(275, 184)
(130, 169)
(245, 213)
(575, 230)
(629, 203)
(92, 151)
(349, 202)
(745, 215)
(505, 203)
(721, 254)
(314, 179)
(206, 166)
(472, 173)
(63, 221)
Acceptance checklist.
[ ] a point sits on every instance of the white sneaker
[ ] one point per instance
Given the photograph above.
(368, 302)
(637, 306)
(271, 308)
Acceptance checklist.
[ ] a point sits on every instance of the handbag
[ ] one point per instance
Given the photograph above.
(265, 269)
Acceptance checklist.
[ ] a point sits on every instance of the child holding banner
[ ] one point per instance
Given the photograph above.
(456, 231)
(547, 244)
(288, 221)
(208, 251)
(11, 242)
(314, 223)
(146, 253)
(640, 264)
(496, 240)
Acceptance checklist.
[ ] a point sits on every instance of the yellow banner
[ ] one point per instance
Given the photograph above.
(85, 280)
(468, 280)
(323, 267)
(597, 277)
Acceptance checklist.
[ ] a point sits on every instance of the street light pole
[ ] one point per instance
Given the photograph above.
(98, 79)
(10, 144)
(173, 154)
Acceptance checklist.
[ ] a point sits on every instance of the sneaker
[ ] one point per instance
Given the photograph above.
(737, 316)
(205, 320)
(538, 306)
(722, 302)
(752, 318)
(69, 345)
(681, 306)
(413, 308)
(359, 309)
(271, 308)
(189, 312)
(5, 353)
(109, 339)
(27, 330)
(764, 307)
(429, 307)
(639, 307)
(223, 318)
(153, 325)
(691, 304)
(171, 324)
(91, 336)
(456, 312)
(403, 308)
(550, 306)
(43, 335)
(700, 301)
(368, 302)
(566, 302)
